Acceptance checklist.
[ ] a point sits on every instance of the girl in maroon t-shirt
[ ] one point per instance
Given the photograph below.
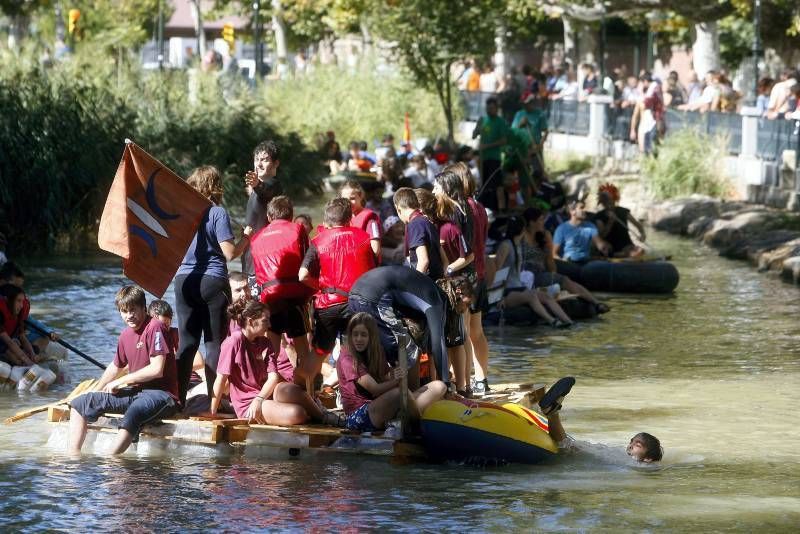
(252, 367)
(369, 388)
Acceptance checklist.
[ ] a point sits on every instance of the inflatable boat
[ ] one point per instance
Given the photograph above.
(575, 307)
(623, 276)
(479, 432)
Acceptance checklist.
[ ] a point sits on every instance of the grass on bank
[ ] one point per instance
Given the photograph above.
(687, 162)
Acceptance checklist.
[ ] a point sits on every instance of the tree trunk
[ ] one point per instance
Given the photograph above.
(570, 51)
(197, 18)
(17, 30)
(366, 38)
(705, 50)
(448, 104)
(279, 26)
(500, 52)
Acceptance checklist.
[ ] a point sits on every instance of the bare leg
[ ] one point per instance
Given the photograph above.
(428, 394)
(384, 408)
(287, 393)
(576, 289)
(556, 428)
(553, 306)
(124, 439)
(528, 298)
(309, 362)
(77, 431)
(458, 359)
(278, 413)
(480, 346)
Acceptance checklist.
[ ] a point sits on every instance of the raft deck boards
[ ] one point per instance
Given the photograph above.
(259, 440)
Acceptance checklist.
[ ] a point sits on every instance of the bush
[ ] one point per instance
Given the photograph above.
(569, 163)
(360, 105)
(62, 133)
(687, 162)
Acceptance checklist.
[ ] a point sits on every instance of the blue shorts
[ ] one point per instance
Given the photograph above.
(359, 420)
(138, 407)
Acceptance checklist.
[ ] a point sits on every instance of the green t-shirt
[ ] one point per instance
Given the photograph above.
(492, 129)
(537, 122)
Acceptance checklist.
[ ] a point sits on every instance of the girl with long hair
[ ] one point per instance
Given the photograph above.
(370, 389)
(516, 293)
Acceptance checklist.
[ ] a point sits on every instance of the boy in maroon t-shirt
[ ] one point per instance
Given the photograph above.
(150, 389)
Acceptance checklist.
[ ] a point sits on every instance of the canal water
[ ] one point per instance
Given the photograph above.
(713, 371)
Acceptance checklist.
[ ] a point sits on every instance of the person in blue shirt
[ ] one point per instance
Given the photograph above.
(574, 238)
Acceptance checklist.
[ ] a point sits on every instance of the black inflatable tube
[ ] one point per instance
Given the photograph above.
(624, 276)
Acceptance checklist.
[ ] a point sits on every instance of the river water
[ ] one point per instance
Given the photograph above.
(713, 371)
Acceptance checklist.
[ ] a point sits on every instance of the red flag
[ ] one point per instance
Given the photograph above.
(150, 218)
(407, 134)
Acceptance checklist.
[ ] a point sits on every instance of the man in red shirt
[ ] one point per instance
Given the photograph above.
(363, 217)
(337, 257)
(278, 250)
(150, 389)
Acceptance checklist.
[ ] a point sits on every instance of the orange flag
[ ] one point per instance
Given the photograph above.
(150, 218)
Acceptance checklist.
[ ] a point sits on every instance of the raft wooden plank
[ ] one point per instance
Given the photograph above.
(303, 429)
(238, 433)
(57, 413)
(84, 386)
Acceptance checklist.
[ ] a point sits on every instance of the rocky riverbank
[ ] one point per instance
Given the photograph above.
(768, 238)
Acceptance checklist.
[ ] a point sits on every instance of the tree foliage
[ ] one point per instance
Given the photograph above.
(427, 36)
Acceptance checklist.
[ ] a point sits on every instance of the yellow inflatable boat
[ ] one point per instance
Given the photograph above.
(472, 430)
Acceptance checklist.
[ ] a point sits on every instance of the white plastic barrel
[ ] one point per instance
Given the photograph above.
(17, 373)
(5, 372)
(46, 377)
(29, 378)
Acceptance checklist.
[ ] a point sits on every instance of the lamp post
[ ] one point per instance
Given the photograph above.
(259, 60)
(160, 35)
(756, 46)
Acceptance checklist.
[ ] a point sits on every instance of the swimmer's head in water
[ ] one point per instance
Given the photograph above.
(645, 448)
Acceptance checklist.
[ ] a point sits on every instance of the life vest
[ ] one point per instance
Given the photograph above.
(363, 220)
(277, 251)
(13, 325)
(345, 254)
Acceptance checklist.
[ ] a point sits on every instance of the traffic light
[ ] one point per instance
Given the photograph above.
(74, 16)
(229, 35)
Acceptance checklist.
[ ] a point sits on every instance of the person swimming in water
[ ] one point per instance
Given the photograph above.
(643, 447)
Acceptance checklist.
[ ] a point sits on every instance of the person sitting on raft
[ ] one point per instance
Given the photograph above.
(370, 390)
(381, 291)
(15, 348)
(516, 293)
(643, 447)
(260, 377)
(537, 256)
(149, 391)
(574, 238)
(613, 224)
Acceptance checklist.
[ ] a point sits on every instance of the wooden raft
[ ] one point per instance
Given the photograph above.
(254, 439)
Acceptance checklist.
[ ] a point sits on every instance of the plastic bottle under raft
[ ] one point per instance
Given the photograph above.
(30, 377)
(45, 380)
(5, 373)
(17, 373)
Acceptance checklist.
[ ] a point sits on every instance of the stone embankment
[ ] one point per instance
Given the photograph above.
(766, 237)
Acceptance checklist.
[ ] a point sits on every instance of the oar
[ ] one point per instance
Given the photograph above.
(65, 344)
(83, 387)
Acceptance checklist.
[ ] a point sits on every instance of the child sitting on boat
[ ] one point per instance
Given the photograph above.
(14, 345)
(259, 376)
(149, 391)
(370, 389)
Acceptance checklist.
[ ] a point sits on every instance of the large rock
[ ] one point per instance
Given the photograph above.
(790, 270)
(725, 232)
(675, 216)
(774, 258)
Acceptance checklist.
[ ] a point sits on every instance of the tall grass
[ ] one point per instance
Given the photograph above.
(360, 105)
(62, 132)
(687, 162)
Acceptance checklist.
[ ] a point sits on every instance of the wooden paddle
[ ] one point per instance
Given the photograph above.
(83, 387)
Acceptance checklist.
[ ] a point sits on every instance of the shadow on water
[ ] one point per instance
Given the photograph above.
(712, 371)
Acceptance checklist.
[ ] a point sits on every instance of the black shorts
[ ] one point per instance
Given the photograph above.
(480, 299)
(454, 334)
(138, 407)
(329, 323)
(291, 319)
